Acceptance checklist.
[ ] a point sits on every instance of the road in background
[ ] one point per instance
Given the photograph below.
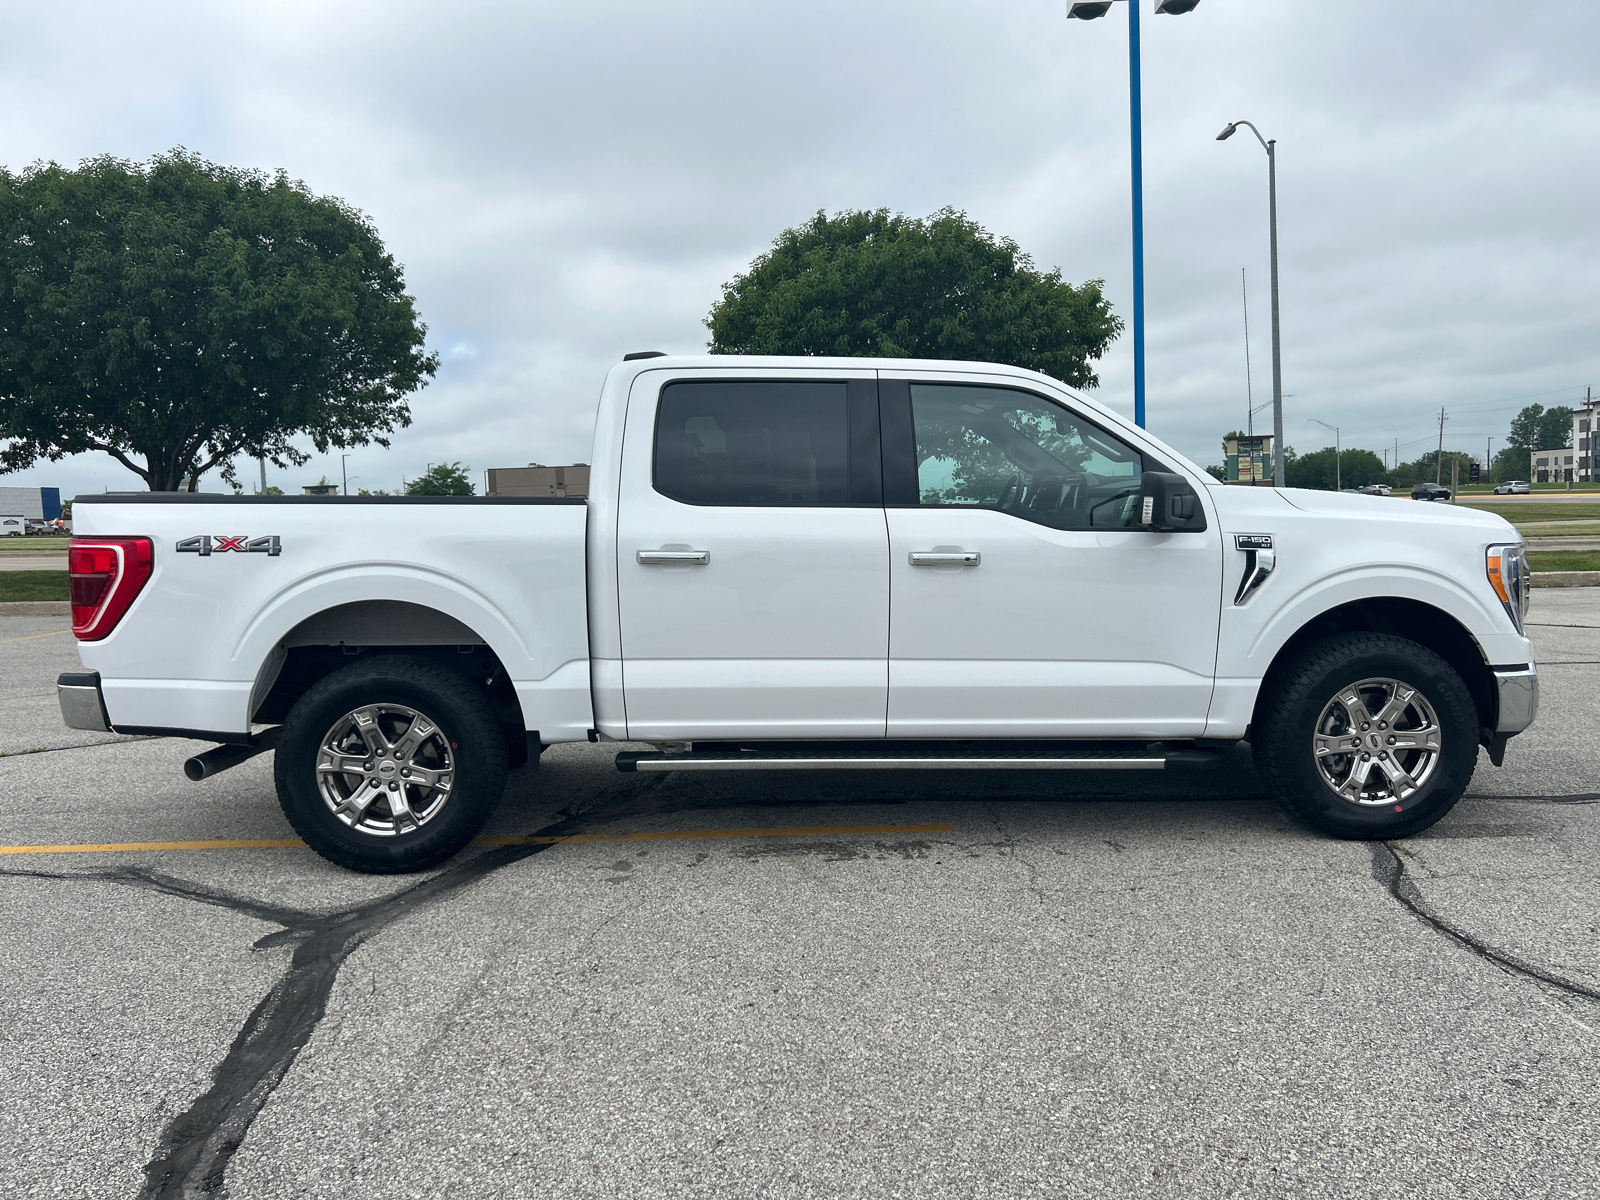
(1029, 985)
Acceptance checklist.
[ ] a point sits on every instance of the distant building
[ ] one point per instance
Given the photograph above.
(535, 479)
(39, 504)
(1249, 459)
(1553, 466)
(1585, 429)
(320, 489)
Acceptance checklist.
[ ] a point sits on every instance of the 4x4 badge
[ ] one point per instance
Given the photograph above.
(205, 545)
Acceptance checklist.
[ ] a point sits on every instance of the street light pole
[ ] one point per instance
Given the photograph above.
(344, 475)
(1136, 132)
(1089, 10)
(1271, 147)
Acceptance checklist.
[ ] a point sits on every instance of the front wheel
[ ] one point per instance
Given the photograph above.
(1367, 736)
(390, 765)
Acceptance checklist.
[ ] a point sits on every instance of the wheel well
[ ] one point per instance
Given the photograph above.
(336, 637)
(1410, 619)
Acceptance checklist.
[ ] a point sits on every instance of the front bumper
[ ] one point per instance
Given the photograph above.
(1517, 690)
(82, 706)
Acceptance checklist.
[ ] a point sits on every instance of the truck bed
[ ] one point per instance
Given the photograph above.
(241, 581)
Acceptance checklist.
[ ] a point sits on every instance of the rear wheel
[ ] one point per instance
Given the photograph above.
(1366, 735)
(390, 765)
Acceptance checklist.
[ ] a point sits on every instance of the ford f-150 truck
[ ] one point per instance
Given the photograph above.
(810, 563)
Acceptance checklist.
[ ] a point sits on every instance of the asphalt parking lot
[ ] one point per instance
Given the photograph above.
(942, 985)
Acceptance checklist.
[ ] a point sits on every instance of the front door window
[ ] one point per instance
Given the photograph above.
(1017, 453)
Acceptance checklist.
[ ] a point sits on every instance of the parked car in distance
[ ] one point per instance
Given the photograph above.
(1513, 487)
(1375, 489)
(1430, 491)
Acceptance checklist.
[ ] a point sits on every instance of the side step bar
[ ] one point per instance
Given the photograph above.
(969, 756)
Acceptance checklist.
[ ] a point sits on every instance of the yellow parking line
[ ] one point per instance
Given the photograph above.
(31, 636)
(675, 835)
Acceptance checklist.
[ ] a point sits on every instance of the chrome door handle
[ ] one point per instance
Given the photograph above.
(945, 558)
(662, 558)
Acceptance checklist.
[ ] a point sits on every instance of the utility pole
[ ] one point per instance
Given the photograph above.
(263, 463)
(1438, 463)
(1588, 408)
(1488, 461)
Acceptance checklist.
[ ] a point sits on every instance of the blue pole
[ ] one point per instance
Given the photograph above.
(1134, 124)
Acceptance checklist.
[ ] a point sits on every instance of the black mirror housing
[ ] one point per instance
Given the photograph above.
(1168, 504)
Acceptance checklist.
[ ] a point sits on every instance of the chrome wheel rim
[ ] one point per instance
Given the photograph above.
(1377, 742)
(385, 769)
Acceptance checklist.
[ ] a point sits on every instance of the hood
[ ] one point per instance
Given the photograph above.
(1388, 510)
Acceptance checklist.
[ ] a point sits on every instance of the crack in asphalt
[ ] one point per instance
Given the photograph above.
(1389, 869)
(1578, 798)
(84, 746)
(199, 1143)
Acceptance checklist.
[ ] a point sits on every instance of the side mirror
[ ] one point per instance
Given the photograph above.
(1167, 504)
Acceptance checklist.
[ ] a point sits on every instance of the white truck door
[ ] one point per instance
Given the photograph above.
(753, 557)
(1024, 602)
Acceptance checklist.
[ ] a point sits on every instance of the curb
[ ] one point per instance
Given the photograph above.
(46, 608)
(1566, 579)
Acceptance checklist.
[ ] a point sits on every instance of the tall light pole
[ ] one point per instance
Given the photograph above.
(1338, 477)
(1089, 10)
(1271, 147)
(344, 475)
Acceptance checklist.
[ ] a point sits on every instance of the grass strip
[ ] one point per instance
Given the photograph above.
(33, 585)
(32, 545)
(1564, 560)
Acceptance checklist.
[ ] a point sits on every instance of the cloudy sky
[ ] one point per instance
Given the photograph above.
(566, 182)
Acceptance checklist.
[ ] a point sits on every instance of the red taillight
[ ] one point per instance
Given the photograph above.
(104, 575)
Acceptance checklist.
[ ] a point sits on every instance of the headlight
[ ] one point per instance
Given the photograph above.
(1507, 567)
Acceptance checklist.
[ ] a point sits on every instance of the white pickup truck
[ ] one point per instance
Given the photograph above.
(810, 563)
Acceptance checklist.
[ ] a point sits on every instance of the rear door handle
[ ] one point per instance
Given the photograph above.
(663, 558)
(945, 558)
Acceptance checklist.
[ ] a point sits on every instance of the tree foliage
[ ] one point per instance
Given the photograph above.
(1318, 469)
(183, 313)
(1428, 469)
(891, 286)
(441, 479)
(1539, 428)
(1513, 462)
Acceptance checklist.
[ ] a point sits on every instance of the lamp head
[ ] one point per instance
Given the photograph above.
(1176, 7)
(1228, 131)
(1088, 10)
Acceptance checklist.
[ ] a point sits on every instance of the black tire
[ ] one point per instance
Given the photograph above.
(1297, 697)
(475, 763)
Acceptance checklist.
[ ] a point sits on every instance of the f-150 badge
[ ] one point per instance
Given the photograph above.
(1252, 541)
(205, 545)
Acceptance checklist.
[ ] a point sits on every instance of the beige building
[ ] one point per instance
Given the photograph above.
(535, 479)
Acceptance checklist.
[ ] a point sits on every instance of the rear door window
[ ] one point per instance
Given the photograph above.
(754, 443)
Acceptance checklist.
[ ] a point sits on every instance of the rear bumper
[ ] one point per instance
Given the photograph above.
(82, 706)
(1518, 693)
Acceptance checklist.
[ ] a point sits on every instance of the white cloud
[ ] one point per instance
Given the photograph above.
(568, 182)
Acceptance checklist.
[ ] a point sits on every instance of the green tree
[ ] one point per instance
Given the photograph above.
(1513, 462)
(1539, 428)
(891, 286)
(1354, 469)
(176, 314)
(1426, 469)
(442, 479)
